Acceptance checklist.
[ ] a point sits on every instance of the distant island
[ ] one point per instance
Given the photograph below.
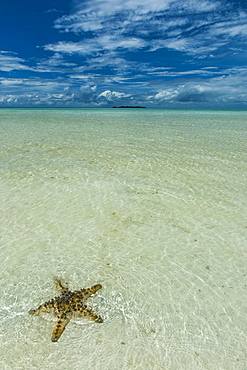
(129, 106)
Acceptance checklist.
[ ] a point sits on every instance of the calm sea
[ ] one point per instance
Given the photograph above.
(150, 203)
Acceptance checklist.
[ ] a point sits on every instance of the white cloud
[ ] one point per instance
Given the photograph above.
(208, 71)
(53, 11)
(11, 81)
(89, 46)
(29, 87)
(231, 28)
(92, 14)
(215, 91)
(9, 62)
(118, 66)
(72, 47)
(35, 99)
(189, 45)
(57, 60)
(112, 43)
(132, 15)
(177, 44)
(113, 95)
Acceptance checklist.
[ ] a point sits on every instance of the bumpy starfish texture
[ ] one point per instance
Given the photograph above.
(66, 306)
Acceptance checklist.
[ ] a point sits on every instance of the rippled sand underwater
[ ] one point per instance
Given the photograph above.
(151, 204)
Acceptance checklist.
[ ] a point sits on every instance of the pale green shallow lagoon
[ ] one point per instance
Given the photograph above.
(149, 203)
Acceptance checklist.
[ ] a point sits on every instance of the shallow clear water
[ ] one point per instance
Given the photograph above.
(149, 203)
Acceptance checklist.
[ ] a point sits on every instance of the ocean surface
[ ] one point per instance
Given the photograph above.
(149, 203)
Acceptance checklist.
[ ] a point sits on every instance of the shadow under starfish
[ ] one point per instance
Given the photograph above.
(66, 306)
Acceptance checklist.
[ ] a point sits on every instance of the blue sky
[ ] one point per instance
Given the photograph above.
(101, 53)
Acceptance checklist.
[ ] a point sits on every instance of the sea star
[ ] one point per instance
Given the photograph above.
(68, 305)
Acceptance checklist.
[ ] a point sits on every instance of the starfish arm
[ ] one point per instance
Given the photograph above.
(90, 313)
(34, 312)
(88, 292)
(59, 328)
(47, 307)
(61, 287)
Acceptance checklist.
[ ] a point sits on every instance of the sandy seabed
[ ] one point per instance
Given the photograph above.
(151, 204)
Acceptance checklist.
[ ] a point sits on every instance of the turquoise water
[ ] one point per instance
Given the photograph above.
(149, 203)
